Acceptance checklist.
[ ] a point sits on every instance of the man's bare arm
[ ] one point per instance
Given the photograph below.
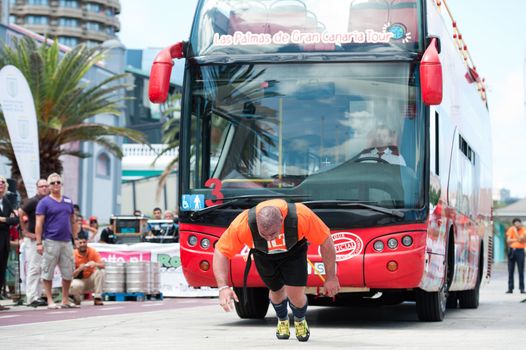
(328, 255)
(226, 294)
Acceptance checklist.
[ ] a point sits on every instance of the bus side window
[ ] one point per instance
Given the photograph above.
(434, 145)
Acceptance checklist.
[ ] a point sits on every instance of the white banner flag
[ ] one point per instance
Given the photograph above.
(21, 120)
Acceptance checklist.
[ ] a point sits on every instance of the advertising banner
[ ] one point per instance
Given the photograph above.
(20, 117)
(173, 283)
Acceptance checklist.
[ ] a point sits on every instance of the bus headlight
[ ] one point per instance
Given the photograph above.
(192, 240)
(392, 243)
(407, 241)
(378, 246)
(205, 243)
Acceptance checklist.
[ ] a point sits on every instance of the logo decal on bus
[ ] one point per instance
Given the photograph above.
(302, 38)
(347, 245)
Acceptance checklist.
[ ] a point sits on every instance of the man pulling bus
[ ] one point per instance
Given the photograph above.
(277, 233)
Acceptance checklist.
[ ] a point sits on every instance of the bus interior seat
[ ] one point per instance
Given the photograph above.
(368, 14)
(249, 16)
(289, 15)
(405, 12)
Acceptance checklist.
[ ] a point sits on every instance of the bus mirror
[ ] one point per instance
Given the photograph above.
(161, 70)
(431, 75)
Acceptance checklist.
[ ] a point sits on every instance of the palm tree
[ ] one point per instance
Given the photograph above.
(64, 103)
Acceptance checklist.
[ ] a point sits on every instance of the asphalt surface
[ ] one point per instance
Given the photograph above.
(192, 323)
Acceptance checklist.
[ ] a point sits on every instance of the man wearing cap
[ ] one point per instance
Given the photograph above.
(92, 228)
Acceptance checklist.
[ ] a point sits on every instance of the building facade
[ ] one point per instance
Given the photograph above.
(71, 21)
(94, 182)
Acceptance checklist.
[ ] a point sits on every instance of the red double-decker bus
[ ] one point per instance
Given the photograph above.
(370, 112)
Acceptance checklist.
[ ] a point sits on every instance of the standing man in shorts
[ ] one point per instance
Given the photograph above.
(53, 230)
(277, 233)
(34, 273)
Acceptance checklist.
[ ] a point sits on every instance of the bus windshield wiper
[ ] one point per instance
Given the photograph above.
(357, 204)
(237, 199)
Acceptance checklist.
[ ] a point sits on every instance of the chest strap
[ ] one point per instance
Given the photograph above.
(291, 229)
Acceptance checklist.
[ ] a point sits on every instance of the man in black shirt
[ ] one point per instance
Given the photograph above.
(107, 235)
(33, 282)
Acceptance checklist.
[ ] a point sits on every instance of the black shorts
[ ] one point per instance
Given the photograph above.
(277, 270)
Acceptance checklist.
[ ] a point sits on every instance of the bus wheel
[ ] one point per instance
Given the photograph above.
(469, 299)
(256, 305)
(452, 300)
(431, 306)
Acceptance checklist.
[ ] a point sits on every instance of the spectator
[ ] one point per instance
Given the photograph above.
(76, 209)
(172, 231)
(13, 264)
(79, 226)
(33, 280)
(7, 219)
(157, 214)
(54, 230)
(92, 228)
(516, 239)
(154, 229)
(89, 273)
(108, 235)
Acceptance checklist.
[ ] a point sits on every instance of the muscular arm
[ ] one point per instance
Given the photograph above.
(226, 295)
(328, 255)
(220, 265)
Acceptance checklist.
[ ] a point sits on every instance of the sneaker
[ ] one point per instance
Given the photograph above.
(283, 330)
(302, 330)
(34, 303)
(41, 302)
(509, 291)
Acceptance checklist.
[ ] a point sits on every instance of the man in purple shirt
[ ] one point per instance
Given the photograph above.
(54, 222)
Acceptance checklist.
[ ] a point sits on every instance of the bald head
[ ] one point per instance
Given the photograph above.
(269, 221)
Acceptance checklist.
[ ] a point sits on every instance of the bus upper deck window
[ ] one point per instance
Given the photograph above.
(368, 14)
(404, 14)
(249, 16)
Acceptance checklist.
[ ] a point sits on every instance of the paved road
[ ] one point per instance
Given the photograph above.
(499, 323)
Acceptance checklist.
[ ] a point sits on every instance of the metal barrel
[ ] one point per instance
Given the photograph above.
(138, 277)
(115, 277)
(155, 280)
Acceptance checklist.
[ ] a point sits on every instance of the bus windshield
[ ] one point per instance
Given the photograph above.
(325, 131)
(270, 26)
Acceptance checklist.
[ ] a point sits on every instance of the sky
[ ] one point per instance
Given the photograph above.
(493, 31)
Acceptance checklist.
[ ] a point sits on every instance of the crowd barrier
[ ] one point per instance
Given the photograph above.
(172, 284)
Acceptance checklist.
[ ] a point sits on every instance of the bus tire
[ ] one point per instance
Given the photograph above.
(452, 300)
(431, 306)
(256, 305)
(469, 299)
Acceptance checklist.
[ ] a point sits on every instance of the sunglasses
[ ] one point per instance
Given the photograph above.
(55, 183)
